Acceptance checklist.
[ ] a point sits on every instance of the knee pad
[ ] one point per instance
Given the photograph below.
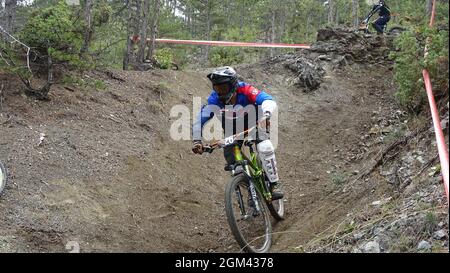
(267, 156)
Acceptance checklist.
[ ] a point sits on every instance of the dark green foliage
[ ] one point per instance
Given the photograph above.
(408, 70)
(164, 57)
(102, 13)
(409, 60)
(220, 56)
(52, 32)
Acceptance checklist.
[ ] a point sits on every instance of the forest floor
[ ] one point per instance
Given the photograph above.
(98, 168)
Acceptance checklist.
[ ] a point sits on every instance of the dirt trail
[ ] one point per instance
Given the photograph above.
(320, 143)
(108, 176)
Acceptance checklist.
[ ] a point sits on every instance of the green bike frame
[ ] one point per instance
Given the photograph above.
(253, 170)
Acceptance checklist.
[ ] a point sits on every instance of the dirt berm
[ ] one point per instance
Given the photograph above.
(98, 169)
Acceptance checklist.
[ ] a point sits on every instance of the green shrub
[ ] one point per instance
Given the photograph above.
(408, 70)
(52, 32)
(102, 12)
(437, 60)
(164, 57)
(83, 82)
(409, 63)
(339, 179)
(220, 56)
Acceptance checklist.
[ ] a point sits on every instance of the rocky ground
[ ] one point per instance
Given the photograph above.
(98, 169)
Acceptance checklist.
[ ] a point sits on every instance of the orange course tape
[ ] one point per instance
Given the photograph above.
(225, 43)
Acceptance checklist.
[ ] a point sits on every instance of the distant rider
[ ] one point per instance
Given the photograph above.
(384, 13)
(230, 93)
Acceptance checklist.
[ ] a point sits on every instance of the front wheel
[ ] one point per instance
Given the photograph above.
(276, 209)
(251, 228)
(3, 177)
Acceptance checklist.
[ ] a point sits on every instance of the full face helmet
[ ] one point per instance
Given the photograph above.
(224, 81)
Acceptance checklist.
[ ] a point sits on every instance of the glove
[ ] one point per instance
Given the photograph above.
(197, 147)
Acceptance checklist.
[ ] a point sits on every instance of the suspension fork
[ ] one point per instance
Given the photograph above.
(240, 158)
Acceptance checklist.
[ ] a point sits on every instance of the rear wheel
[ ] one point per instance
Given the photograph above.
(396, 30)
(3, 177)
(251, 229)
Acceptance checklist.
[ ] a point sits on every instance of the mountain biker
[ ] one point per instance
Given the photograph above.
(385, 16)
(230, 96)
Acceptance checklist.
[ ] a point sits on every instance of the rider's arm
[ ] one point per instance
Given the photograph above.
(268, 106)
(373, 11)
(266, 101)
(376, 8)
(258, 97)
(205, 114)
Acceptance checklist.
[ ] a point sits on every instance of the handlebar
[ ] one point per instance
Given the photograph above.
(229, 140)
(208, 149)
(222, 143)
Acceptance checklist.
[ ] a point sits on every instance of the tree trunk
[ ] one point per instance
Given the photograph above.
(127, 53)
(355, 10)
(88, 22)
(10, 15)
(41, 93)
(272, 32)
(154, 31)
(331, 8)
(336, 20)
(174, 7)
(228, 10)
(429, 7)
(144, 27)
(308, 26)
(208, 26)
(241, 18)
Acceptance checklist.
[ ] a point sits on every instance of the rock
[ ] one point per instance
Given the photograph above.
(424, 245)
(358, 236)
(372, 247)
(421, 160)
(439, 235)
(324, 58)
(444, 123)
(378, 230)
(383, 241)
(356, 250)
(434, 171)
(391, 171)
(376, 203)
(326, 34)
(309, 75)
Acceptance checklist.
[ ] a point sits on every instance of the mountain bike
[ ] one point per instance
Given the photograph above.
(3, 176)
(248, 198)
(395, 31)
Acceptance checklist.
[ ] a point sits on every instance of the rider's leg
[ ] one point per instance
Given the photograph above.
(228, 153)
(377, 27)
(266, 153)
(380, 23)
